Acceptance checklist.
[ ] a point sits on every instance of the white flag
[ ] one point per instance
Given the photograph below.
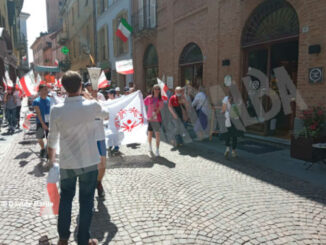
(8, 80)
(124, 67)
(94, 74)
(128, 120)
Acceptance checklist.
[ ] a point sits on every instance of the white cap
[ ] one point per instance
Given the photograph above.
(117, 89)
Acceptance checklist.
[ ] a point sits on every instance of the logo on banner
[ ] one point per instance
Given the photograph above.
(128, 119)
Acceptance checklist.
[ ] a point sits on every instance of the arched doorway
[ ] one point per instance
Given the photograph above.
(191, 65)
(150, 67)
(270, 39)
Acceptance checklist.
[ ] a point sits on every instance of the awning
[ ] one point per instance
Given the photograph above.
(46, 68)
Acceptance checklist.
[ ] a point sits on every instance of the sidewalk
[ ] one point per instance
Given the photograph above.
(278, 159)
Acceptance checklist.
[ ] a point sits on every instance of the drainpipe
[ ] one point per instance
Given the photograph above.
(95, 32)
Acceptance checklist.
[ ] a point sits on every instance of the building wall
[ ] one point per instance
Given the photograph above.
(23, 31)
(4, 15)
(41, 54)
(109, 19)
(78, 24)
(216, 27)
(53, 18)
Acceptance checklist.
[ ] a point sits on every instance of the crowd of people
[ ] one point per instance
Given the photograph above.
(78, 126)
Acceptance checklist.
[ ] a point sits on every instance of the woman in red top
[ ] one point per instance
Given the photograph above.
(154, 105)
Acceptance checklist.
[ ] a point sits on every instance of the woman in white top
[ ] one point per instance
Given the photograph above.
(230, 111)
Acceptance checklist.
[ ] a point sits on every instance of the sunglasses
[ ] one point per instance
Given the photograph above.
(157, 89)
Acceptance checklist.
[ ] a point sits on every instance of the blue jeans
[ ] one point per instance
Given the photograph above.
(11, 116)
(87, 179)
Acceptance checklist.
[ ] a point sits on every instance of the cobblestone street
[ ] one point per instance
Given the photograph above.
(190, 196)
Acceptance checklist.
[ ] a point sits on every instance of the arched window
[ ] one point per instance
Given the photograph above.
(150, 67)
(191, 54)
(191, 64)
(271, 20)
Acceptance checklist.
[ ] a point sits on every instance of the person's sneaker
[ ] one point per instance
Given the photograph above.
(42, 153)
(157, 153)
(226, 153)
(100, 190)
(92, 242)
(234, 154)
(149, 149)
(63, 242)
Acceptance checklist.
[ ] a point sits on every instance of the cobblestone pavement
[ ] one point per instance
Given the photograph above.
(190, 196)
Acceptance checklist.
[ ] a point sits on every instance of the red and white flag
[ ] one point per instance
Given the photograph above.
(58, 83)
(18, 87)
(124, 67)
(56, 62)
(52, 198)
(28, 84)
(103, 82)
(27, 121)
(8, 82)
(164, 89)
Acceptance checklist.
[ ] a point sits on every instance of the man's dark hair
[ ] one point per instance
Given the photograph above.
(41, 86)
(71, 81)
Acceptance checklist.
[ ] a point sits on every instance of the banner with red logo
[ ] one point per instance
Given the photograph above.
(128, 120)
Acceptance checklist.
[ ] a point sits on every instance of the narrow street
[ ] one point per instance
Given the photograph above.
(189, 196)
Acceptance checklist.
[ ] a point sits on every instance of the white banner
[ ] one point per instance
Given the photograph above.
(124, 67)
(128, 120)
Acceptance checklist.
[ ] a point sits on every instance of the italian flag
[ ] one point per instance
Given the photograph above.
(8, 82)
(124, 67)
(19, 87)
(27, 121)
(164, 89)
(124, 30)
(28, 84)
(103, 82)
(58, 83)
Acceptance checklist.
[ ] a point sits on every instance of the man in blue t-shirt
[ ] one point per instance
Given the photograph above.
(42, 108)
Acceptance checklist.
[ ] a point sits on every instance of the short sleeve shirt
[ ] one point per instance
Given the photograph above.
(152, 105)
(176, 106)
(44, 105)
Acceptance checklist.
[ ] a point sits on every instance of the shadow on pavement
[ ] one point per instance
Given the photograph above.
(250, 168)
(23, 163)
(6, 134)
(27, 142)
(23, 155)
(39, 170)
(102, 228)
(165, 162)
(134, 146)
(137, 161)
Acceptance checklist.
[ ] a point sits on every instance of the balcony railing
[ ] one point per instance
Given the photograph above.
(145, 18)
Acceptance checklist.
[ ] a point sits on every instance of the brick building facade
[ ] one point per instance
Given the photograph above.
(228, 37)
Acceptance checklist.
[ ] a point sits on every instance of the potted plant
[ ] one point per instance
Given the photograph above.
(312, 132)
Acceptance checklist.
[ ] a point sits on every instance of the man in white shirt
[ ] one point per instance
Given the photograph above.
(18, 106)
(73, 125)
